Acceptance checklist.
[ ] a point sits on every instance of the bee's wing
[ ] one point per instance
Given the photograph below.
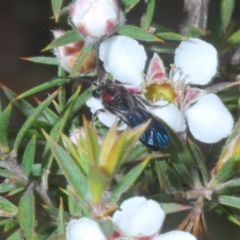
(155, 136)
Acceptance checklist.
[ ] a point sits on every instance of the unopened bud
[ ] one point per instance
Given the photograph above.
(95, 19)
(68, 55)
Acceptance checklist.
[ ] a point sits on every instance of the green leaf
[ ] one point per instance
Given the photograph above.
(71, 171)
(158, 49)
(174, 178)
(23, 106)
(61, 221)
(15, 191)
(62, 98)
(10, 224)
(227, 7)
(55, 134)
(195, 32)
(17, 235)
(98, 183)
(185, 174)
(30, 120)
(50, 116)
(171, 36)
(4, 123)
(5, 187)
(68, 37)
(81, 101)
(138, 33)
(128, 180)
(56, 7)
(223, 173)
(230, 201)
(91, 142)
(160, 168)
(234, 39)
(147, 18)
(222, 210)
(174, 207)
(137, 151)
(229, 184)
(26, 214)
(55, 211)
(106, 227)
(87, 48)
(181, 157)
(7, 209)
(56, 82)
(74, 208)
(3, 222)
(43, 60)
(180, 147)
(28, 156)
(129, 4)
(7, 174)
(198, 156)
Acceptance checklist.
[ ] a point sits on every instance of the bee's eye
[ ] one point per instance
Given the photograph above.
(97, 93)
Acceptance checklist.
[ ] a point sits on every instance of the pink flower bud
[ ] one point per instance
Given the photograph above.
(68, 54)
(96, 18)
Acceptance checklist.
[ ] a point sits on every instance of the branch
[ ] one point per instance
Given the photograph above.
(195, 15)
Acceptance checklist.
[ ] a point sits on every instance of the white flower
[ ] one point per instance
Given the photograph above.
(138, 217)
(96, 18)
(84, 229)
(176, 235)
(173, 100)
(208, 119)
(124, 58)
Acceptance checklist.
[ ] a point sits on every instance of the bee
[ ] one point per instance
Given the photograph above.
(117, 100)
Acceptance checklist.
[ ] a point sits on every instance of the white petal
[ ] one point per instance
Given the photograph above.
(107, 118)
(84, 229)
(94, 104)
(171, 115)
(209, 120)
(138, 217)
(124, 58)
(176, 235)
(197, 60)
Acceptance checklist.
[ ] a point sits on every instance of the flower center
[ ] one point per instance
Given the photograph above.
(159, 91)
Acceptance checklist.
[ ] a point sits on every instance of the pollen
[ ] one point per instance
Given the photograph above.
(156, 92)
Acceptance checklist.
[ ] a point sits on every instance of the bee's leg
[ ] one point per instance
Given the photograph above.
(94, 116)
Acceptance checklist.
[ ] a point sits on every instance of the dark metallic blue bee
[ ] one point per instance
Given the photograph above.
(117, 100)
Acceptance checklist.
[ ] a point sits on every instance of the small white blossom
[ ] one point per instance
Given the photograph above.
(84, 229)
(176, 235)
(138, 217)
